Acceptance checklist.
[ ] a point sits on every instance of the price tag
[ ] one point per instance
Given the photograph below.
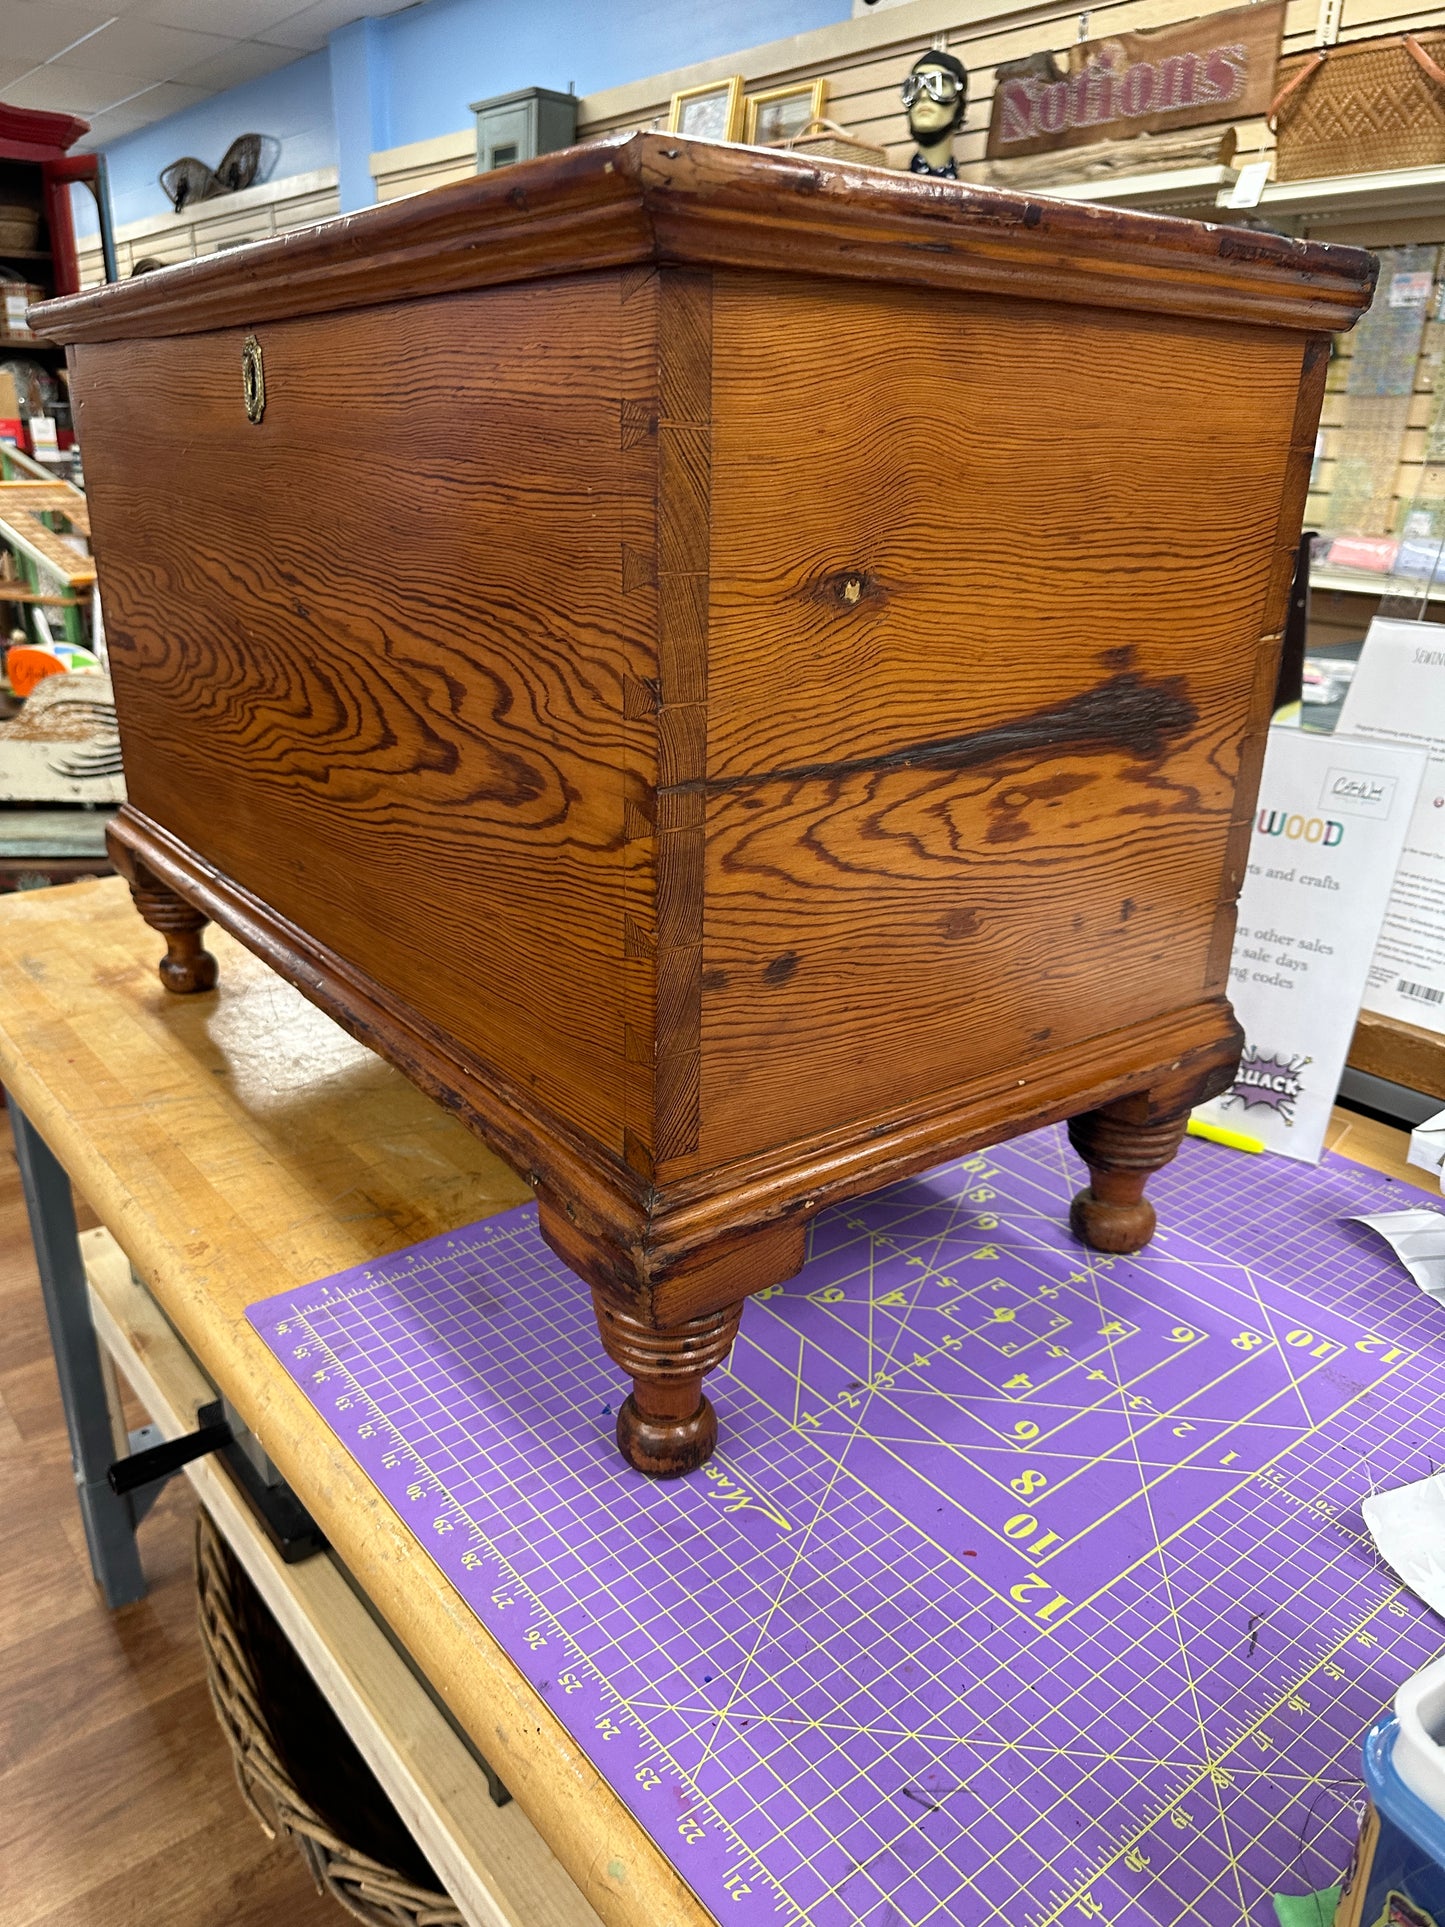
(1250, 186)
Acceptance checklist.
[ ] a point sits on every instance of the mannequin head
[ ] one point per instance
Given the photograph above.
(936, 96)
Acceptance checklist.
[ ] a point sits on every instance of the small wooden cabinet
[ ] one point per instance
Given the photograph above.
(743, 675)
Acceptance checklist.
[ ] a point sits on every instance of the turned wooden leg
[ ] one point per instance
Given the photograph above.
(666, 1426)
(187, 965)
(1121, 1147)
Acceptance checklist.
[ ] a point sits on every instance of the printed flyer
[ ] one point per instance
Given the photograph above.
(1398, 696)
(1331, 822)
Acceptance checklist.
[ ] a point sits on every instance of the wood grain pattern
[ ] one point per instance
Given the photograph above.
(637, 294)
(390, 706)
(706, 1238)
(684, 487)
(930, 512)
(974, 735)
(874, 941)
(1399, 1052)
(639, 198)
(1314, 369)
(807, 719)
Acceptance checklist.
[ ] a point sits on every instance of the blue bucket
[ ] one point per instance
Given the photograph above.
(1398, 1875)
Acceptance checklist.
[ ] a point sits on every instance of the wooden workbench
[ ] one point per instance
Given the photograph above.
(239, 1143)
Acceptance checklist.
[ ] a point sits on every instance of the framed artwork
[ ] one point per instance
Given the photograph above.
(710, 113)
(782, 113)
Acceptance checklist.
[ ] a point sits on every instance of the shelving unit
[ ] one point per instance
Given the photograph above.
(38, 169)
(37, 172)
(1408, 190)
(1350, 582)
(1166, 190)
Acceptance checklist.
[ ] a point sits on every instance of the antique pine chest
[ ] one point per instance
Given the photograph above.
(744, 676)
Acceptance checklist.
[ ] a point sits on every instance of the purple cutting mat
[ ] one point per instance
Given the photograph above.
(1028, 1586)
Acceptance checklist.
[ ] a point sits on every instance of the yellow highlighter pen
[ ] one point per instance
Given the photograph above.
(1218, 1134)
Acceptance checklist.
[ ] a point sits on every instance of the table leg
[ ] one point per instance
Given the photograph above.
(667, 1425)
(1123, 1147)
(109, 1521)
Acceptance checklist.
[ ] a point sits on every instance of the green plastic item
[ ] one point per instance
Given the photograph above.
(1307, 1910)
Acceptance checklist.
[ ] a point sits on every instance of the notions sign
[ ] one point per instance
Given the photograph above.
(1220, 68)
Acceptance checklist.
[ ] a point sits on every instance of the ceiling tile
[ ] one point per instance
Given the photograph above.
(311, 27)
(306, 31)
(35, 30)
(245, 19)
(58, 89)
(156, 101)
(136, 46)
(154, 57)
(245, 60)
(110, 127)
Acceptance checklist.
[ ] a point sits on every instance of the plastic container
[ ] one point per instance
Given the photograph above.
(1397, 1878)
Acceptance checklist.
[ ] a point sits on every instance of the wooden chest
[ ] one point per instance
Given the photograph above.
(742, 675)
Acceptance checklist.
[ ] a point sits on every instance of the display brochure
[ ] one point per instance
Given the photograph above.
(1398, 696)
(1331, 822)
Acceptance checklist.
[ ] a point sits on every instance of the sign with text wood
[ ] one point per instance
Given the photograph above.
(1219, 68)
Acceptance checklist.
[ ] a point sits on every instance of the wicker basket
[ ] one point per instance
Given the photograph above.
(1361, 108)
(19, 227)
(366, 1888)
(834, 143)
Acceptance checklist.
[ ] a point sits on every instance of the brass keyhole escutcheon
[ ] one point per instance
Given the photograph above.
(253, 379)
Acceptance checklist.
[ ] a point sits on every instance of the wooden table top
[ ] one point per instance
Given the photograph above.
(240, 1143)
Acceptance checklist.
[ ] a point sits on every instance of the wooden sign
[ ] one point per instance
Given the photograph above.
(1220, 68)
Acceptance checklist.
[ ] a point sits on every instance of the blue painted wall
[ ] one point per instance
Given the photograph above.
(443, 56)
(294, 104)
(360, 107)
(413, 75)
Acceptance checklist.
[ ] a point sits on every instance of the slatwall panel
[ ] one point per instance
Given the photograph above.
(251, 215)
(1401, 437)
(406, 175)
(863, 86)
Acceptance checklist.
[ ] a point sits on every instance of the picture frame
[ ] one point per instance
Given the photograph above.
(712, 112)
(781, 113)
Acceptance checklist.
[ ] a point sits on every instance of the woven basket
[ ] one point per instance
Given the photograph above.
(1362, 108)
(366, 1888)
(19, 227)
(834, 143)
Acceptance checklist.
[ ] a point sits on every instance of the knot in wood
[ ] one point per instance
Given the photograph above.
(849, 587)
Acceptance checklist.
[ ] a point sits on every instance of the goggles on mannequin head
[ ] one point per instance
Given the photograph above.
(939, 86)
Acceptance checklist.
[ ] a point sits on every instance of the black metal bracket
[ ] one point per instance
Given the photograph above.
(287, 1523)
(160, 1461)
